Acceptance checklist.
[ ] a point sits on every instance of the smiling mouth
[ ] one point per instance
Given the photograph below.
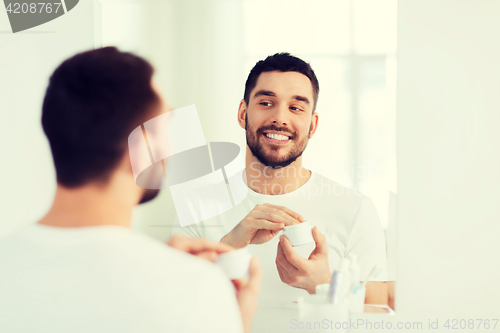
(276, 139)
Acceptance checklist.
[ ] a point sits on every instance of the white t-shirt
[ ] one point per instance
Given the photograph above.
(348, 220)
(108, 279)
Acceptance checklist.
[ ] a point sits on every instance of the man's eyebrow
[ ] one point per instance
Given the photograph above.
(301, 98)
(264, 93)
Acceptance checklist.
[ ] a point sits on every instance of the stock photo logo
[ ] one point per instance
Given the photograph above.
(202, 177)
(26, 14)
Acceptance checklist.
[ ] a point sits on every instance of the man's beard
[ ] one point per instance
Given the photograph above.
(149, 195)
(273, 160)
(150, 180)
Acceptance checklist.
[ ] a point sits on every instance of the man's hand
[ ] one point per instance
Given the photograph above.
(304, 273)
(247, 293)
(261, 225)
(199, 247)
(377, 292)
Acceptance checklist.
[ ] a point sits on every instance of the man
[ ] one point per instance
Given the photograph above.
(81, 268)
(278, 114)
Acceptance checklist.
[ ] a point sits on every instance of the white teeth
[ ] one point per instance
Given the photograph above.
(277, 136)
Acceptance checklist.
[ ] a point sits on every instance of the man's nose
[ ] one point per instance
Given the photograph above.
(280, 116)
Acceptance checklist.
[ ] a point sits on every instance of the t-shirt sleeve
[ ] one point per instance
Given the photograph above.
(367, 241)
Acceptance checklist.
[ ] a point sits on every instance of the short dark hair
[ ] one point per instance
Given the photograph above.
(92, 103)
(282, 62)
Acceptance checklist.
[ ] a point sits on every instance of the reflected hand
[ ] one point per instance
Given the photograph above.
(261, 225)
(304, 273)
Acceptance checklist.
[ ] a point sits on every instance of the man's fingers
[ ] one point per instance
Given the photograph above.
(280, 273)
(207, 255)
(255, 273)
(175, 240)
(239, 283)
(289, 253)
(196, 245)
(274, 215)
(286, 217)
(290, 212)
(287, 267)
(280, 255)
(267, 225)
(283, 273)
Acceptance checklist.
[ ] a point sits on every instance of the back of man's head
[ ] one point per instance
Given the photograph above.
(93, 101)
(281, 62)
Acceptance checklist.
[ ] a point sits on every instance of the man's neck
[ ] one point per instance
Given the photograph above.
(266, 180)
(90, 205)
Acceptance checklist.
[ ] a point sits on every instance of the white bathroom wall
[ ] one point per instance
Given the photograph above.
(196, 48)
(448, 159)
(27, 58)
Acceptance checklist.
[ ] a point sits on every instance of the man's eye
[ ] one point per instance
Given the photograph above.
(295, 108)
(265, 103)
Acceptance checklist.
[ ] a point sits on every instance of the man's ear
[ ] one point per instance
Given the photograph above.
(242, 111)
(314, 124)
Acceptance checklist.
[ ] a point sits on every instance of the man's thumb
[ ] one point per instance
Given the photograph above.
(320, 239)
